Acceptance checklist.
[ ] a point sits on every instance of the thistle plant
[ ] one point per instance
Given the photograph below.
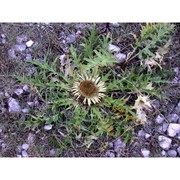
(91, 100)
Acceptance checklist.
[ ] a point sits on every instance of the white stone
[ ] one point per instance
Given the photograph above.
(164, 142)
(145, 152)
(25, 110)
(18, 91)
(147, 135)
(19, 156)
(115, 24)
(29, 43)
(25, 147)
(159, 119)
(3, 35)
(173, 118)
(24, 153)
(13, 105)
(48, 127)
(173, 129)
(25, 87)
(113, 48)
(172, 153)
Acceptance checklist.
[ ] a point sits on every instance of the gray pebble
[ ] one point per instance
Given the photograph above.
(159, 119)
(176, 70)
(24, 153)
(121, 57)
(110, 154)
(177, 110)
(20, 39)
(111, 145)
(113, 48)
(28, 57)
(11, 53)
(31, 138)
(178, 150)
(141, 133)
(173, 129)
(163, 153)
(25, 87)
(0, 130)
(18, 91)
(25, 147)
(36, 103)
(20, 47)
(164, 142)
(71, 39)
(19, 148)
(178, 136)
(3, 41)
(118, 144)
(52, 152)
(25, 110)
(1, 141)
(118, 155)
(165, 126)
(145, 152)
(3, 145)
(160, 129)
(173, 118)
(31, 104)
(19, 156)
(172, 153)
(13, 105)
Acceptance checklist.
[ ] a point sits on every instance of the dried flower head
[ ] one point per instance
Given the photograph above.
(89, 88)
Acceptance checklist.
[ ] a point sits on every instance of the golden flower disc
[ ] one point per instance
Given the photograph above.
(90, 88)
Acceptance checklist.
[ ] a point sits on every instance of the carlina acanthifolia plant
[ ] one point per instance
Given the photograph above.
(91, 100)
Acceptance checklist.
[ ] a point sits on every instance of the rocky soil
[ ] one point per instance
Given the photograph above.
(160, 137)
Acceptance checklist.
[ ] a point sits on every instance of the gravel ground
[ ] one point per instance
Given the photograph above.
(160, 137)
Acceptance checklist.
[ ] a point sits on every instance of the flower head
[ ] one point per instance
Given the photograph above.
(89, 88)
